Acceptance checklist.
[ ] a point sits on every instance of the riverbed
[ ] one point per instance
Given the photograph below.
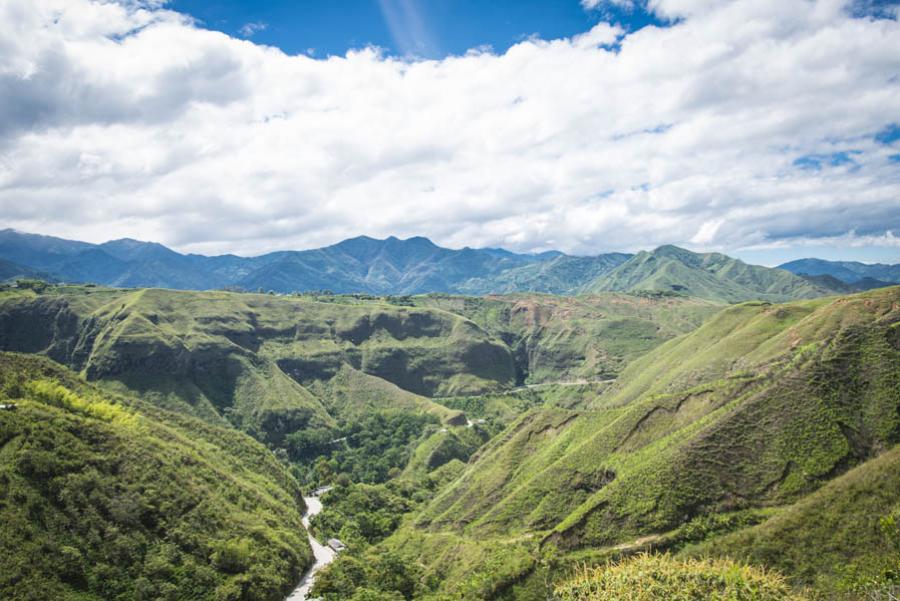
(323, 554)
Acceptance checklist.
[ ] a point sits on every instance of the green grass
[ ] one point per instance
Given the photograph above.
(758, 408)
(843, 537)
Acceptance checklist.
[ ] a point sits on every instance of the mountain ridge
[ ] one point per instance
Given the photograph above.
(850, 272)
(416, 265)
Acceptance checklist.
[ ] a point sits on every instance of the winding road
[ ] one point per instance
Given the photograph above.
(323, 554)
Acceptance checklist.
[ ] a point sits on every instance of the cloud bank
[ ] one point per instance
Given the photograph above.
(744, 124)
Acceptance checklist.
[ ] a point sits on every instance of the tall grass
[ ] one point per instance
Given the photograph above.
(648, 577)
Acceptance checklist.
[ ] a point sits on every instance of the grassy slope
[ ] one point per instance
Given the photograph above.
(712, 276)
(652, 577)
(247, 357)
(758, 407)
(842, 522)
(352, 393)
(572, 338)
(103, 497)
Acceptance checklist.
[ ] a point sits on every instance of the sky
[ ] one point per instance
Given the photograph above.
(766, 129)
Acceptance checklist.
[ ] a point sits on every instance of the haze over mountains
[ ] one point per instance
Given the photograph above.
(416, 265)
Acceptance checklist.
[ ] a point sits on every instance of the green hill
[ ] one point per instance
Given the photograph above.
(352, 393)
(712, 276)
(271, 365)
(759, 407)
(850, 272)
(570, 339)
(251, 359)
(104, 497)
(562, 274)
(852, 524)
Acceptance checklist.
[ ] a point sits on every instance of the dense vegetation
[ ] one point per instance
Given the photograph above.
(299, 373)
(711, 276)
(104, 498)
(368, 449)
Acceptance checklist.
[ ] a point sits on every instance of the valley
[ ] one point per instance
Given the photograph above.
(482, 447)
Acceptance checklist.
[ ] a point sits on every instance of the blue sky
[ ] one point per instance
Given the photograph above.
(765, 129)
(425, 28)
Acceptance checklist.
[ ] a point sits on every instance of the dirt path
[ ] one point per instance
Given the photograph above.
(564, 383)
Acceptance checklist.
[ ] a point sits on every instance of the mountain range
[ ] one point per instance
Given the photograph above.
(417, 265)
(862, 275)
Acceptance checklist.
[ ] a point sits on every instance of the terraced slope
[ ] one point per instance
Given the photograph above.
(759, 407)
(711, 276)
(105, 497)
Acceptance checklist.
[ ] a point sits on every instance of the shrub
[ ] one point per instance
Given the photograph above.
(649, 577)
(232, 556)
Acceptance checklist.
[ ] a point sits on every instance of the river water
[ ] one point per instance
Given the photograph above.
(323, 554)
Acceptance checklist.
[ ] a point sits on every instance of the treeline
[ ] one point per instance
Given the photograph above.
(369, 449)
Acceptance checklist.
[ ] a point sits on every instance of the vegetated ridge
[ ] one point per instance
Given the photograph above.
(740, 422)
(412, 266)
(107, 497)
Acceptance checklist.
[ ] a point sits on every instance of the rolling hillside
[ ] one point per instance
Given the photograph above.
(849, 272)
(106, 497)
(852, 523)
(759, 407)
(722, 420)
(251, 359)
(712, 276)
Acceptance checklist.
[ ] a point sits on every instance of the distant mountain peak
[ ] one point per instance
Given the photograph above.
(416, 265)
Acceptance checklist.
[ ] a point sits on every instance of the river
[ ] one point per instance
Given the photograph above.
(323, 554)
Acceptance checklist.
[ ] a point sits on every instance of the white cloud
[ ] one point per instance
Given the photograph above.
(598, 4)
(248, 30)
(117, 120)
